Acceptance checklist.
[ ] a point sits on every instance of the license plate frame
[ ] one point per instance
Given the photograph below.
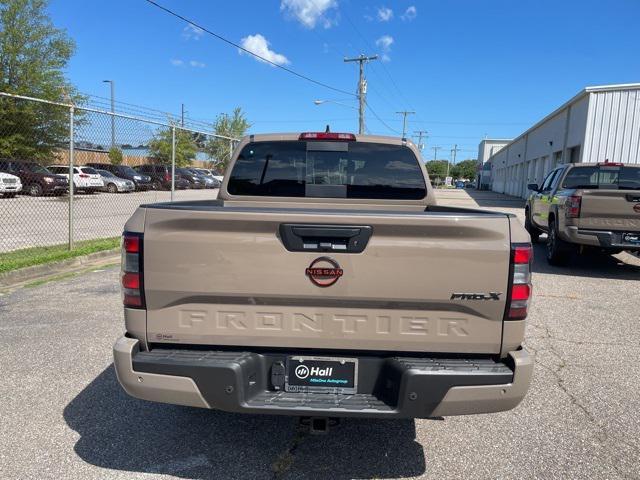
(634, 241)
(343, 378)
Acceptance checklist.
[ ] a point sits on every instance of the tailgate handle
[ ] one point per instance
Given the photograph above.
(632, 198)
(325, 238)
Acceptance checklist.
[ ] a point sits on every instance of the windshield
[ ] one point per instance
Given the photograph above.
(105, 173)
(604, 177)
(35, 168)
(327, 169)
(128, 171)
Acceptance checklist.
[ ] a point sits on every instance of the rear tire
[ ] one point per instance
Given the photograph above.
(35, 190)
(529, 227)
(558, 251)
(111, 188)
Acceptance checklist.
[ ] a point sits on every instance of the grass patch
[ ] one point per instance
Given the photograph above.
(28, 257)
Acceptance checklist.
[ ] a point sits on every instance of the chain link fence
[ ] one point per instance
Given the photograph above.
(69, 174)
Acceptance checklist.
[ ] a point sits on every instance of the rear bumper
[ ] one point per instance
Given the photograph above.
(389, 387)
(598, 238)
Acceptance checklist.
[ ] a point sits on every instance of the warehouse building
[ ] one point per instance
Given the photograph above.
(488, 148)
(598, 124)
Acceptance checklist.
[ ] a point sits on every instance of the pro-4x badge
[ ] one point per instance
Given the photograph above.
(476, 296)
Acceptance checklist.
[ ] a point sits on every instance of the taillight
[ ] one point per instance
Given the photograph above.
(131, 270)
(83, 175)
(167, 177)
(520, 294)
(573, 206)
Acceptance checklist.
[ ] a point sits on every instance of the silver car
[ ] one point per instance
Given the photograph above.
(113, 184)
(210, 179)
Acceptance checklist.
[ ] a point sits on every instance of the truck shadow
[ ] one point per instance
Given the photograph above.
(618, 267)
(486, 198)
(122, 433)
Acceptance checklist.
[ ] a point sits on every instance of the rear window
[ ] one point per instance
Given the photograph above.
(603, 177)
(89, 170)
(327, 169)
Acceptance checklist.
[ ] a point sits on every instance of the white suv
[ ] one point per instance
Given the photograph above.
(86, 179)
(9, 185)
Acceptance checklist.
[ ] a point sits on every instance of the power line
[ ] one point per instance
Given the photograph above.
(220, 37)
(381, 120)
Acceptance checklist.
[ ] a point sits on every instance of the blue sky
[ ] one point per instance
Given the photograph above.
(468, 68)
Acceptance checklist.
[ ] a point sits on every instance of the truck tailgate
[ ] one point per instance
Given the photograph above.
(222, 276)
(610, 210)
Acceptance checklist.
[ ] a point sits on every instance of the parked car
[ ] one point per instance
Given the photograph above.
(113, 184)
(161, 177)
(9, 185)
(594, 206)
(213, 180)
(325, 281)
(460, 184)
(142, 182)
(196, 181)
(85, 179)
(36, 179)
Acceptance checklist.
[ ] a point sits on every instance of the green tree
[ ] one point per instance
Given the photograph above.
(33, 56)
(467, 169)
(437, 168)
(115, 156)
(234, 126)
(160, 147)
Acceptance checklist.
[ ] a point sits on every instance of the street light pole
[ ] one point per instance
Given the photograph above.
(362, 87)
(113, 111)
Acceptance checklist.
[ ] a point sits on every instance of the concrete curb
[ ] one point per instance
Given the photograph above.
(8, 279)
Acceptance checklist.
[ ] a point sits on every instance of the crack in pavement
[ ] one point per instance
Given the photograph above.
(285, 460)
(604, 438)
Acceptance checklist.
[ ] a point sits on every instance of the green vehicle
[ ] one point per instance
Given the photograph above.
(587, 206)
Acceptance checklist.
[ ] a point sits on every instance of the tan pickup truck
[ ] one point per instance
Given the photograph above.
(325, 282)
(586, 206)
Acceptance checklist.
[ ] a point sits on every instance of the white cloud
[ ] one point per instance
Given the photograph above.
(384, 43)
(310, 12)
(176, 62)
(197, 64)
(385, 14)
(260, 46)
(191, 32)
(409, 14)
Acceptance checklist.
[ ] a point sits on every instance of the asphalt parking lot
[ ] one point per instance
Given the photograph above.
(40, 221)
(64, 416)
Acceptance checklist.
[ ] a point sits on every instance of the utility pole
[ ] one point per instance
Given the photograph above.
(182, 116)
(420, 133)
(113, 111)
(454, 151)
(404, 114)
(362, 87)
(435, 153)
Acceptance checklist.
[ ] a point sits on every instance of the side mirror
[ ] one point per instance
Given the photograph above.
(533, 187)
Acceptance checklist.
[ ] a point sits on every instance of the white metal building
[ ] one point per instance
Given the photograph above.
(488, 148)
(598, 124)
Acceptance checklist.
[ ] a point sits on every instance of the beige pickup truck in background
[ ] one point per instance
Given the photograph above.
(586, 206)
(325, 281)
